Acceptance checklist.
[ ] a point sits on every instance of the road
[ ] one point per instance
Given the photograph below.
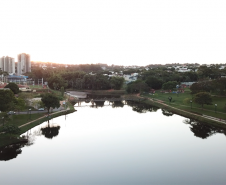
(38, 111)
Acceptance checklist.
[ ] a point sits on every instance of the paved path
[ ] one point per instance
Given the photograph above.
(39, 119)
(204, 116)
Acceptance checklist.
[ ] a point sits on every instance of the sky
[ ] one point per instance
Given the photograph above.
(119, 32)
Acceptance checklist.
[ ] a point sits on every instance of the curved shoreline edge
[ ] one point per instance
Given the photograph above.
(202, 118)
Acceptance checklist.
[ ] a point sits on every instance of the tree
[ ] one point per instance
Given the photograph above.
(203, 86)
(14, 87)
(117, 82)
(62, 91)
(137, 87)
(203, 98)
(169, 85)
(19, 104)
(6, 100)
(56, 81)
(11, 129)
(154, 83)
(50, 100)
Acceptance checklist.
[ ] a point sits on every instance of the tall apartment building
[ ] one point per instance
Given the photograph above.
(7, 64)
(23, 64)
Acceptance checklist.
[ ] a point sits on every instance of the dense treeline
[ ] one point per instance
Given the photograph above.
(209, 79)
(217, 86)
(92, 76)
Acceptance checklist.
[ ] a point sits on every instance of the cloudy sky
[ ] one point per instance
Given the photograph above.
(121, 32)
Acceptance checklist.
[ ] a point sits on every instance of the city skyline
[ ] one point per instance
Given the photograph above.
(115, 32)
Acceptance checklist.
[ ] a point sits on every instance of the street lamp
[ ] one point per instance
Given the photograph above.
(170, 98)
(191, 103)
(30, 113)
(3, 120)
(215, 107)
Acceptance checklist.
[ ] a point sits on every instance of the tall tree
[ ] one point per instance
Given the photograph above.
(50, 100)
(117, 82)
(19, 104)
(137, 87)
(154, 83)
(203, 98)
(6, 100)
(169, 85)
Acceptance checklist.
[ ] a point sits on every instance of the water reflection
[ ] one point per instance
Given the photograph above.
(116, 104)
(50, 131)
(97, 104)
(203, 130)
(11, 151)
(166, 112)
(98, 96)
(141, 107)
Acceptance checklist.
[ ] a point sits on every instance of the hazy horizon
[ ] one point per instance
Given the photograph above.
(119, 32)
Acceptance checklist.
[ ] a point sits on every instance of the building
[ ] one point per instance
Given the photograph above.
(7, 64)
(23, 64)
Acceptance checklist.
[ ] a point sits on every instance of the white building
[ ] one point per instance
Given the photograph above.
(130, 77)
(7, 64)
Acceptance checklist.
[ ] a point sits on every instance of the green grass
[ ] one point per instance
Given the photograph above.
(21, 119)
(35, 86)
(178, 102)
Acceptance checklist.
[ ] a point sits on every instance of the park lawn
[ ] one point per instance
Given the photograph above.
(35, 86)
(178, 102)
(21, 119)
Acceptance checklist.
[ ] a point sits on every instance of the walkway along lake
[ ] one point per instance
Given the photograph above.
(117, 144)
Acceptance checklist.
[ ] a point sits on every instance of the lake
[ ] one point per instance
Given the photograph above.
(115, 145)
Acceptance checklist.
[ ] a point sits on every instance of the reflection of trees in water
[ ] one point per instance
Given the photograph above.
(31, 136)
(97, 104)
(11, 151)
(166, 113)
(203, 130)
(50, 131)
(96, 96)
(141, 107)
(117, 104)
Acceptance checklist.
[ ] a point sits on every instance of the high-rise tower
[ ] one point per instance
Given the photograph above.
(24, 63)
(7, 64)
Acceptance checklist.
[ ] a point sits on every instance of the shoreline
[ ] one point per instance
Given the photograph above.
(199, 117)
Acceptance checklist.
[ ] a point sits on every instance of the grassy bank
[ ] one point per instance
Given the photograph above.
(19, 120)
(196, 116)
(178, 101)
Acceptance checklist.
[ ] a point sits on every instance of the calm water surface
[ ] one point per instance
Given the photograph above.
(118, 145)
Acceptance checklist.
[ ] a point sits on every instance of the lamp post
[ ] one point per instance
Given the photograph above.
(191, 103)
(215, 107)
(30, 113)
(3, 120)
(170, 98)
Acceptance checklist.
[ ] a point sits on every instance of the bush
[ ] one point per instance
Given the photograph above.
(14, 87)
(11, 129)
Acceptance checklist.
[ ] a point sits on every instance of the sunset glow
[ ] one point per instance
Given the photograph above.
(121, 32)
